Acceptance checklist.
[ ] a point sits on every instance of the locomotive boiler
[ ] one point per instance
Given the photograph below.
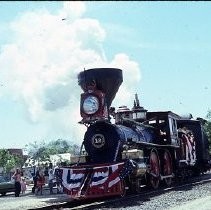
(128, 148)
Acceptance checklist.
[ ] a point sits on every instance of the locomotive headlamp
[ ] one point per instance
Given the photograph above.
(90, 105)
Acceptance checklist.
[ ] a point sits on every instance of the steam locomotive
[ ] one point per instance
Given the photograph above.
(128, 148)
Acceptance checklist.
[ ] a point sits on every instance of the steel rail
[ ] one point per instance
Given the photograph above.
(80, 204)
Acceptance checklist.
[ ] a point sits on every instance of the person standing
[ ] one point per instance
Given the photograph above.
(51, 180)
(46, 174)
(17, 177)
(58, 176)
(23, 185)
(40, 183)
(35, 178)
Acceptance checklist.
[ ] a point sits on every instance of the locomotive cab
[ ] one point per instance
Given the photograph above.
(165, 126)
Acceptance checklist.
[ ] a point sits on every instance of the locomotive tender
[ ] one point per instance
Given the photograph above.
(139, 148)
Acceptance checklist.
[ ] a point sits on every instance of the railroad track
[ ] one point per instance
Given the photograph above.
(144, 195)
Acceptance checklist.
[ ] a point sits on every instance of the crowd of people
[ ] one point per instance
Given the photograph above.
(48, 176)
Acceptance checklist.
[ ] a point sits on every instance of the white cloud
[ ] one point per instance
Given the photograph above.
(73, 9)
(131, 78)
(40, 67)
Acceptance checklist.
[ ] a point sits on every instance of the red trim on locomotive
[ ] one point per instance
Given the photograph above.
(101, 113)
(93, 181)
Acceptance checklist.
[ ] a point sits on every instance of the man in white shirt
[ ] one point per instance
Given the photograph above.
(51, 180)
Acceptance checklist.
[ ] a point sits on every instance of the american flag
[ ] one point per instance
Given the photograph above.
(73, 178)
(114, 175)
(100, 176)
(104, 176)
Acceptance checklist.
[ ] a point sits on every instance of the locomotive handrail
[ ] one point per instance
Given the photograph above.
(96, 166)
(154, 118)
(159, 145)
(80, 152)
(137, 123)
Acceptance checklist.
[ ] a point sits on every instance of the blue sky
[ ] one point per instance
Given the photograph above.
(164, 49)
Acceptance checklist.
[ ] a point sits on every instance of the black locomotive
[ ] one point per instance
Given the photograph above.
(127, 148)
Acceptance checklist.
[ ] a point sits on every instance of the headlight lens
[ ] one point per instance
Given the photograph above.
(91, 105)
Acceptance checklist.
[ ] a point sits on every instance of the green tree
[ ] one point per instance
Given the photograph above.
(42, 151)
(38, 151)
(9, 161)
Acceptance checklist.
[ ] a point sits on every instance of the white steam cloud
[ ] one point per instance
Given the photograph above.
(40, 66)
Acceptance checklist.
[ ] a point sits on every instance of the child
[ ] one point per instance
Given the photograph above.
(23, 185)
(40, 183)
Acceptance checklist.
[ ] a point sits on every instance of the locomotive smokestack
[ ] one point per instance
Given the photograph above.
(107, 80)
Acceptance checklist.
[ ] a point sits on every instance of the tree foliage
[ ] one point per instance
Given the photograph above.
(42, 151)
(9, 161)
